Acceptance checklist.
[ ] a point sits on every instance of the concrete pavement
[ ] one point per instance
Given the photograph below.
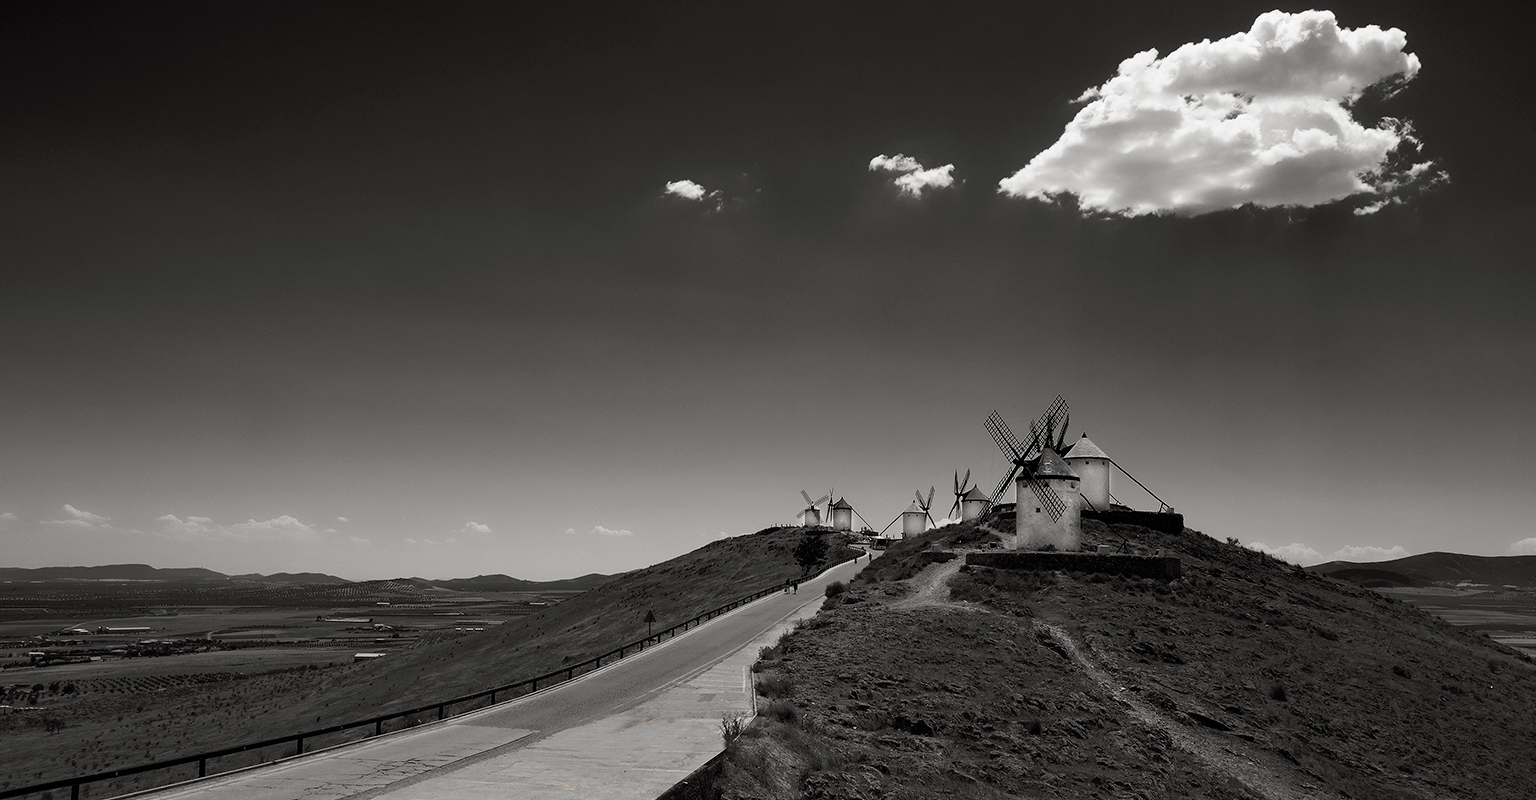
(629, 730)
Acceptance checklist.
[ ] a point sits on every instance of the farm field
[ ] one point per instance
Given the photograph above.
(1504, 615)
(245, 661)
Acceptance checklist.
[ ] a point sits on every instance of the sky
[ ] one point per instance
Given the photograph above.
(387, 289)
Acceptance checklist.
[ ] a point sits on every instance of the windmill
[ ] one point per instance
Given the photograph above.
(1037, 464)
(811, 517)
(970, 503)
(913, 522)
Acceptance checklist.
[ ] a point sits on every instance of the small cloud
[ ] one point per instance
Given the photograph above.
(570, 531)
(330, 530)
(686, 189)
(914, 178)
(358, 540)
(1261, 118)
(342, 519)
(7, 517)
(1296, 553)
(1369, 553)
(475, 527)
(611, 532)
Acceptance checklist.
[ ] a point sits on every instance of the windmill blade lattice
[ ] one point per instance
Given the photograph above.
(1049, 500)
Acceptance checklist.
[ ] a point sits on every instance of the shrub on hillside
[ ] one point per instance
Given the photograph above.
(774, 685)
(836, 588)
(783, 711)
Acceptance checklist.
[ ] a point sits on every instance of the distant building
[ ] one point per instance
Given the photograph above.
(1092, 466)
(973, 504)
(842, 515)
(913, 521)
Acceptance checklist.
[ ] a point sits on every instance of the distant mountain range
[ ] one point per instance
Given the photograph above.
(146, 573)
(1435, 568)
(507, 583)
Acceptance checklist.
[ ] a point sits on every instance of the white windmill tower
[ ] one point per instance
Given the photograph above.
(970, 501)
(916, 519)
(842, 515)
(1048, 500)
(810, 517)
(1093, 466)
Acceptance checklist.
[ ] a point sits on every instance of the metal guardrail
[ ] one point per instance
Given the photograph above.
(378, 723)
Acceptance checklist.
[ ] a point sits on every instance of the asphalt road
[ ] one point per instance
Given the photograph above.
(629, 730)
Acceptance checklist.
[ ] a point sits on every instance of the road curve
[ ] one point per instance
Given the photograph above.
(629, 730)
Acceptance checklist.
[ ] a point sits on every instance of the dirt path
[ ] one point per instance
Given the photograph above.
(1265, 776)
(932, 587)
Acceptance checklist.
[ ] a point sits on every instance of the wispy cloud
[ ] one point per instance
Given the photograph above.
(430, 542)
(358, 540)
(342, 519)
(278, 529)
(7, 517)
(1369, 553)
(1296, 553)
(83, 520)
(475, 527)
(611, 532)
(912, 178)
(1261, 118)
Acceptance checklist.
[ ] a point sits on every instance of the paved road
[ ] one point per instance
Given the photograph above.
(626, 731)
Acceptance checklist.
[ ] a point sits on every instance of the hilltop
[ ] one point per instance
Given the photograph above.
(102, 732)
(1247, 677)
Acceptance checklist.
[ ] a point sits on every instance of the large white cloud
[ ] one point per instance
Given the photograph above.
(1296, 553)
(278, 529)
(1525, 547)
(1351, 552)
(1261, 117)
(912, 178)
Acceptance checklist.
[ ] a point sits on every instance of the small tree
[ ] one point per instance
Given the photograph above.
(810, 551)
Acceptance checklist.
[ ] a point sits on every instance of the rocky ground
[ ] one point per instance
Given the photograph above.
(1247, 678)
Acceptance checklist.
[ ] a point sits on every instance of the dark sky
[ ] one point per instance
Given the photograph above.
(269, 266)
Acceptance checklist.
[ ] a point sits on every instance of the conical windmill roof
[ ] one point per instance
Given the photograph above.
(841, 503)
(1086, 449)
(1050, 465)
(913, 509)
(975, 494)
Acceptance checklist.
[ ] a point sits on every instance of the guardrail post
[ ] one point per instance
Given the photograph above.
(440, 710)
(74, 791)
(568, 673)
(493, 697)
(300, 751)
(378, 727)
(202, 768)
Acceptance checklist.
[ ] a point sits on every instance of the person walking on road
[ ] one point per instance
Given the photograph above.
(796, 585)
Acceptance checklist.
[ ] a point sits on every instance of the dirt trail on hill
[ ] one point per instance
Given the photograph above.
(1266, 777)
(932, 587)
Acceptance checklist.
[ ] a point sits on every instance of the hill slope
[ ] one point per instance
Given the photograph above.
(1246, 678)
(100, 735)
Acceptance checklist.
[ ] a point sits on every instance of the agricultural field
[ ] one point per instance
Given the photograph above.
(1505, 615)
